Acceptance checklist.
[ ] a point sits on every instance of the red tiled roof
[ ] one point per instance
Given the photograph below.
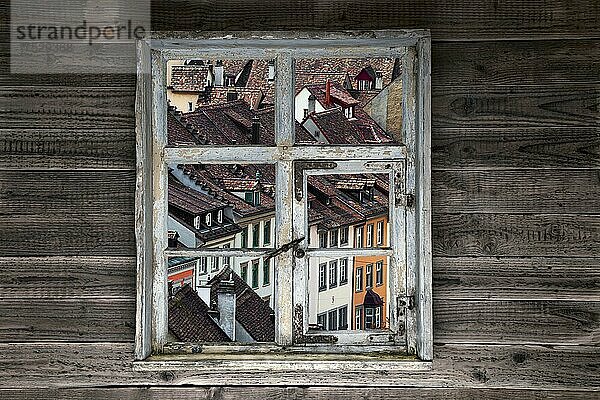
(389, 67)
(189, 78)
(178, 133)
(189, 320)
(336, 128)
(339, 94)
(210, 178)
(191, 200)
(229, 123)
(218, 95)
(258, 79)
(306, 78)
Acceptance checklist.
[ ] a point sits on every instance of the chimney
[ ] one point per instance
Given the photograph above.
(328, 92)
(271, 76)
(219, 71)
(203, 292)
(255, 139)
(173, 236)
(226, 307)
(311, 104)
(379, 80)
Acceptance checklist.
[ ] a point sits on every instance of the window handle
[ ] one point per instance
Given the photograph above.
(298, 252)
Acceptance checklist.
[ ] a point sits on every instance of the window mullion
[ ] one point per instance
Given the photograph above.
(284, 139)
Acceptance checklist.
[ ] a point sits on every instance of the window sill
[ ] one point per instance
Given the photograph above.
(293, 367)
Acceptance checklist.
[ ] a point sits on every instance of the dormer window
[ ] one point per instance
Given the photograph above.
(229, 81)
(220, 216)
(271, 77)
(257, 198)
(349, 112)
(197, 222)
(232, 96)
(364, 85)
(208, 219)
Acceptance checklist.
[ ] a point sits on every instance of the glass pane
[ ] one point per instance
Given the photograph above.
(348, 293)
(221, 206)
(348, 210)
(348, 101)
(232, 302)
(221, 102)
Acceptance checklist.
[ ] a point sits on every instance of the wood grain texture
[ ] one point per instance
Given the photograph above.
(532, 278)
(517, 322)
(516, 63)
(290, 393)
(66, 108)
(55, 278)
(464, 20)
(56, 148)
(66, 213)
(103, 233)
(77, 320)
(515, 106)
(516, 235)
(512, 147)
(66, 192)
(539, 191)
(35, 365)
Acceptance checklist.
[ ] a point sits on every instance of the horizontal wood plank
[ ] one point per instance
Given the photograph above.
(515, 147)
(66, 108)
(516, 191)
(535, 278)
(72, 278)
(517, 322)
(66, 192)
(77, 320)
(464, 20)
(31, 365)
(67, 235)
(55, 148)
(290, 393)
(516, 235)
(515, 62)
(515, 106)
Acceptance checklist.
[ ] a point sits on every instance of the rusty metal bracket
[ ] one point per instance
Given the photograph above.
(300, 167)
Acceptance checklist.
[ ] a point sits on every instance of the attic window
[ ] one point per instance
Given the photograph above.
(346, 186)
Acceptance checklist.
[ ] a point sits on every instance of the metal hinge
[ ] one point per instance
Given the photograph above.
(407, 200)
(405, 303)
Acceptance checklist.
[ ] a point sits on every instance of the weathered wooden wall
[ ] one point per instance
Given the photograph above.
(516, 195)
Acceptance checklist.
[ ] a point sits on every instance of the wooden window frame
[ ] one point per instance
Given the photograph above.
(153, 156)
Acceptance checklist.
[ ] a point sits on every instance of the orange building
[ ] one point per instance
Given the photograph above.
(370, 276)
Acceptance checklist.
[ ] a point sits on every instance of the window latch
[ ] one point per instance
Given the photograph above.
(294, 244)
